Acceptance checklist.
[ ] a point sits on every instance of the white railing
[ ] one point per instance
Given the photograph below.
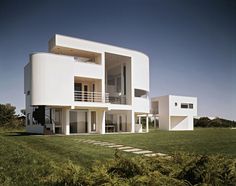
(87, 96)
(117, 99)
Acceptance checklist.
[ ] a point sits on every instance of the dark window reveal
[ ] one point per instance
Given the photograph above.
(140, 93)
(184, 105)
(191, 106)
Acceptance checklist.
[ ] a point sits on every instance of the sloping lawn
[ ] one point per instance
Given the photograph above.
(32, 159)
(200, 141)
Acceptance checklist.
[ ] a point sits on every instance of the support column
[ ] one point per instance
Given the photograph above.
(89, 122)
(139, 119)
(132, 119)
(103, 83)
(147, 124)
(66, 121)
(118, 122)
(103, 117)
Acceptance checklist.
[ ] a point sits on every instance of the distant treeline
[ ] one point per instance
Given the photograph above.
(217, 122)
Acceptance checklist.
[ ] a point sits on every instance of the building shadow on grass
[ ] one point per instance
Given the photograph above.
(17, 133)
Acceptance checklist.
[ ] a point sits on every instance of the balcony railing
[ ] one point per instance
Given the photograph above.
(117, 99)
(87, 96)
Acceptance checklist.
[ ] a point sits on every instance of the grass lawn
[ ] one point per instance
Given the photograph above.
(200, 141)
(26, 158)
(63, 148)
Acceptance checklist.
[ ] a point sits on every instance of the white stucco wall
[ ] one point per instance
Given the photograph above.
(141, 105)
(172, 116)
(139, 68)
(50, 78)
(177, 110)
(53, 78)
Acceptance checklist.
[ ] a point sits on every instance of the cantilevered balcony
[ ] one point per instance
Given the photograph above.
(86, 96)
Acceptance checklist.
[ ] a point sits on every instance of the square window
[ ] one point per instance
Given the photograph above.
(190, 106)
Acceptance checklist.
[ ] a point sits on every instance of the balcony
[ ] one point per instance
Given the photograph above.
(117, 99)
(86, 96)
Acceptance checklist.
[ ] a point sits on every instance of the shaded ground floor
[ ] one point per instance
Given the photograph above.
(64, 120)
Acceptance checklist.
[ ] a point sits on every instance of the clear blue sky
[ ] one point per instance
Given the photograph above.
(191, 43)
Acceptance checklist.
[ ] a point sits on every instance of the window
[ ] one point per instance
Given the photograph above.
(140, 93)
(187, 105)
(124, 77)
(184, 105)
(176, 104)
(111, 80)
(118, 84)
(93, 121)
(190, 105)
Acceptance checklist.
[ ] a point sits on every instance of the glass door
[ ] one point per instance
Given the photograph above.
(58, 121)
(78, 91)
(85, 92)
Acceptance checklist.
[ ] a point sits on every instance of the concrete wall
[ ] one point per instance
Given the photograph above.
(53, 78)
(141, 105)
(139, 67)
(50, 78)
(171, 115)
(177, 110)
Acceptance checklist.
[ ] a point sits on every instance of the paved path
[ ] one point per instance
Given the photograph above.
(144, 152)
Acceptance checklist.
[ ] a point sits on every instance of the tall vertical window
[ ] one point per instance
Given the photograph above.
(93, 121)
(124, 77)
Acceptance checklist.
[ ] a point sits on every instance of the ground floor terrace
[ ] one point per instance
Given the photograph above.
(64, 120)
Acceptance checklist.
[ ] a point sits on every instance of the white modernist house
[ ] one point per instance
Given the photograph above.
(174, 112)
(81, 86)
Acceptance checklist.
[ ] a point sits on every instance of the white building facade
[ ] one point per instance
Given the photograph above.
(81, 86)
(174, 112)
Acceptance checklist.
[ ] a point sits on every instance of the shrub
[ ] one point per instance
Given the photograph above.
(211, 170)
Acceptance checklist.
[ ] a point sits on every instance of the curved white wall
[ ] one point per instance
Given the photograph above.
(53, 78)
(140, 64)
(140, 71)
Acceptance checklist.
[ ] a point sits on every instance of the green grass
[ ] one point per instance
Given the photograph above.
(64, 148)
(28, 157)
(199, 141)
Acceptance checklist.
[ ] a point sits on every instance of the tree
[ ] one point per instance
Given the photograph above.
(7, 113)
(8, 117)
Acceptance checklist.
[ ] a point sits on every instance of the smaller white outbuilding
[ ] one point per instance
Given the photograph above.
(174, 112)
